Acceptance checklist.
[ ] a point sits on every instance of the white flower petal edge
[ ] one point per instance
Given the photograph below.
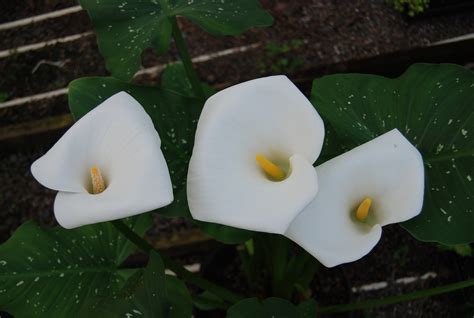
(117, 136)
(387, 169)
(267, 116)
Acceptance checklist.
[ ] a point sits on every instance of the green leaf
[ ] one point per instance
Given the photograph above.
(146, 299)
(178, 302)
(208, 301)
(125, 29)
(175, 117)
(332, 146)
(174, 79)
(61, 273)
(269, 308)
(150, 294)
(277, 307)
(308, 309)
(250, 307)
(465, 250)
(432, 106)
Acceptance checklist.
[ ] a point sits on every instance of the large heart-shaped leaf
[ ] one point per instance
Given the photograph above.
(62, 273)
(125, 28)
(150, 293)
(146, 298)
(175, 117)
(433, 106)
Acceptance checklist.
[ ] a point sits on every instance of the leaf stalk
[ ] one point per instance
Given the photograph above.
(186, 59)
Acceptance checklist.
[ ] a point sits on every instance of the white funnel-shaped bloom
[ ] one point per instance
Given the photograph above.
(107, 166)
(251, 166)
(378, 183)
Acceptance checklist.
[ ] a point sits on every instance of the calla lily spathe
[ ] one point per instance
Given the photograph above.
(251, 168)
(248, 135)
(389, 171)
(114, 152)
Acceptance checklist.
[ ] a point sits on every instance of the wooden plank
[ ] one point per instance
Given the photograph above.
(38, 18)
(35, 127)
(392, 64)
(43, 45)
(32, 133)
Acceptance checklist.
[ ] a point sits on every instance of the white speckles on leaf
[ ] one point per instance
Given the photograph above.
(432, 105)
(21, 262)
(439, 148)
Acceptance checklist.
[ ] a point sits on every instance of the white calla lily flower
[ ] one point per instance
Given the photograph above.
(254, 148)
(378, 183)
(107, 166)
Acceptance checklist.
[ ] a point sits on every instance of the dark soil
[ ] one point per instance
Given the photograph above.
(45, 30)
(21, 197)
(399, 255)
(12, 10)
(331, 32)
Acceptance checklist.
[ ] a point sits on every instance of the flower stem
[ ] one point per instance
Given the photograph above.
(188, 276)
(397, 299)
(186, 59)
